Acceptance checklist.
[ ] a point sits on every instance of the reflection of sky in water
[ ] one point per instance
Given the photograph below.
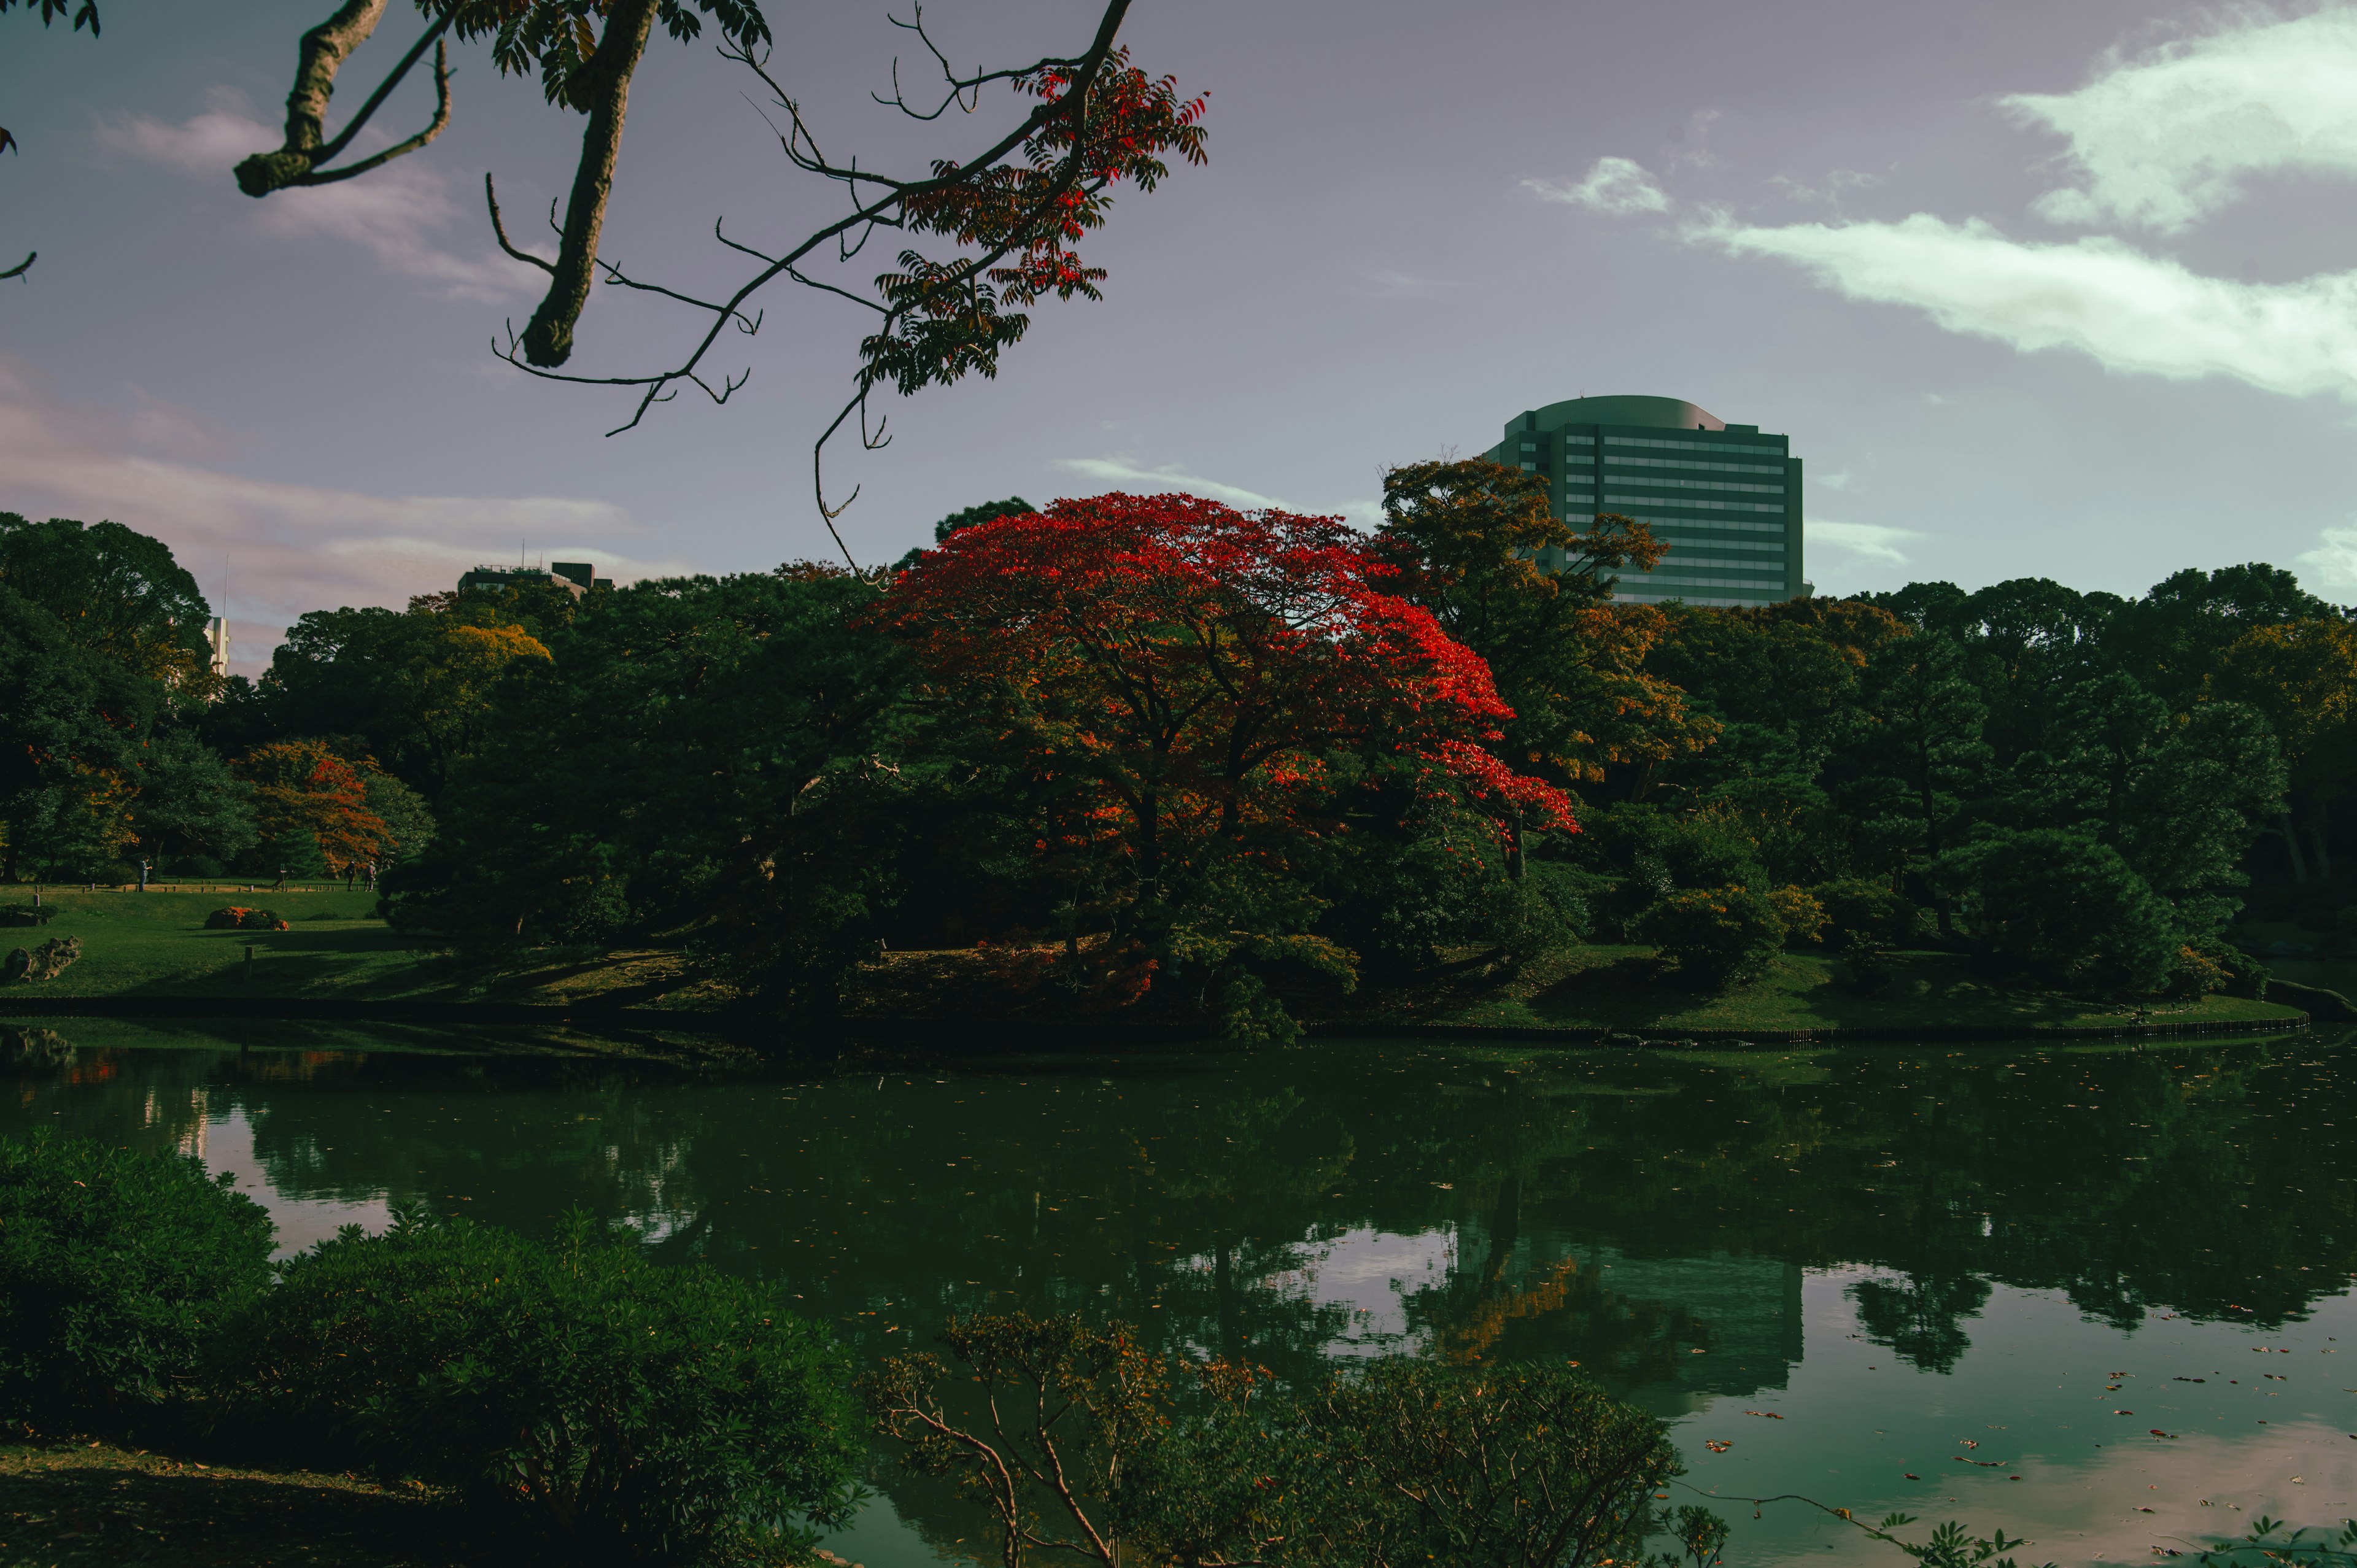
(2032, 1393)
(226, 1144)
(1367, 1271)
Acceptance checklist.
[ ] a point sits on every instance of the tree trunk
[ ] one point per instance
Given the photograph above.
(605, 84)
(2290, 832)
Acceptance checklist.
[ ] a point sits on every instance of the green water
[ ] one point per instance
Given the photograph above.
(1889, 1279)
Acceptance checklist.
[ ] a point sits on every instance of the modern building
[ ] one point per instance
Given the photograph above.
(575, 578)
(217, 639)
(1724, 498)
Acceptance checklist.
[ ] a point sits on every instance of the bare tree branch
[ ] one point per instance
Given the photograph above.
(21, 268)
(500, 230)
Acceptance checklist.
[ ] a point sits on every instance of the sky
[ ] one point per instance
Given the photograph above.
(2060, 288)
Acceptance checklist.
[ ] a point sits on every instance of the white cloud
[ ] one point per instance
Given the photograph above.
(1839, 481)
(291, 548)
(388, 212)
(1617, 185)
(2333, 563)
(1867, 541)
(2173, 135)
(2126, 309)
(1127, 475)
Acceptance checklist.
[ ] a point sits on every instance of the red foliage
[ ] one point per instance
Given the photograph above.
(1200, 666)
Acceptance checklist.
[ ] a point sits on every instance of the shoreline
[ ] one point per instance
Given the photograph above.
(903, 1032)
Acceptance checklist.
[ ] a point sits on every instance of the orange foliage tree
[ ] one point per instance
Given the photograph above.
(1203, 683)
(302, 787)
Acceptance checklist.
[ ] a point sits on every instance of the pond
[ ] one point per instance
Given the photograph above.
(2099, 1297)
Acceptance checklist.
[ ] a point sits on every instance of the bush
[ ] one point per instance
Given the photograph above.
(674, 1415)
(1801, 915)
(114, 1269)
(237, 918)
(1868, 914)
(1717, 935)
(1405, 1460)
(2058, 907)
(2205, 965)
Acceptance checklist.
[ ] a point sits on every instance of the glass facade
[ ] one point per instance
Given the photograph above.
(1726, 499)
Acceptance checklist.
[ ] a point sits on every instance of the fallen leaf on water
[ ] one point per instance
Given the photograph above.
(1913, 1476)
(2122, 1412)
(1773, 1416)
(1968, 1442)
(2141, 1509)
(1716, 1447)
(2158, 1432)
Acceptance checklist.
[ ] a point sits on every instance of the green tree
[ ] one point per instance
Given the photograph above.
(70, 724)
(1479, 545)
(1913, 757)
(702, 755)
(2181, 797)
(190, 805)
(2063, 908)
(1013, 506)
(117, 593)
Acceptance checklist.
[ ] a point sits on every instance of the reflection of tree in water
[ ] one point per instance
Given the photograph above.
(1920, 1318)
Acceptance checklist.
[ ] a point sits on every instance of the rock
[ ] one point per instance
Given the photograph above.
(13, 970)
(50, 960)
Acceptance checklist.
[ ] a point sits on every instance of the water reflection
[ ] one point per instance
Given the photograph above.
(1686, 1226)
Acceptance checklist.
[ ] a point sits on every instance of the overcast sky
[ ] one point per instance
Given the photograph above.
(2057, 287)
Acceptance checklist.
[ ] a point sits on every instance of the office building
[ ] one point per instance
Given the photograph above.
(575, 578)
(1724, 498)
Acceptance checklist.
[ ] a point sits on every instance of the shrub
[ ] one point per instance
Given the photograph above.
(1802, 915)
(1069, 1435)
(114, 1269)
(2058, 907)
(1859, 911)
(675, 1414)
(1715, 935)
(2206, 964)
(237, 918)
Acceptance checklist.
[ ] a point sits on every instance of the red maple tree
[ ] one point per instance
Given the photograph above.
(1191, 672)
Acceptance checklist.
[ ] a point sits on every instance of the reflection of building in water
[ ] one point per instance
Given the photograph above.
(1665, 1332)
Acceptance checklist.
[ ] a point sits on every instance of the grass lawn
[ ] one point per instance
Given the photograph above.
(1613, 987)
(156, 944)
(97, 1505)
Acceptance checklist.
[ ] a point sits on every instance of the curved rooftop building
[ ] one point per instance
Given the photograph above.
(1725, 497)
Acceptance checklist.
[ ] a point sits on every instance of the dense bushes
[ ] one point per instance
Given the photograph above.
(1715, 935)
(2057, 906)
(1071, 1437)
(632, 1411)
(115, 1270)
(672, 1414)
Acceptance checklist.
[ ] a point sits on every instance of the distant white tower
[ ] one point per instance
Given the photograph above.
(217, 639)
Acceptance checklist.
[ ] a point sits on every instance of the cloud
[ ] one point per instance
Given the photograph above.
(1127, 475)
(2174, 135)
(1868, 540)
(2128, 310)
(291, 548)
(388, 212)
(1617, 185)
(2333, 563)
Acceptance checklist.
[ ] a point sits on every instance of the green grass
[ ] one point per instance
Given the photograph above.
(156, 944)
(1612, 987)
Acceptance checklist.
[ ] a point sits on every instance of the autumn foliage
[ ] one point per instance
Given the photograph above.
(301, 786)
(1201, 683)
